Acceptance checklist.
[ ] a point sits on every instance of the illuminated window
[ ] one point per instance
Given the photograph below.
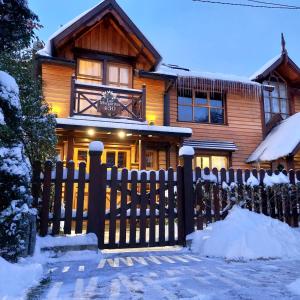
(119, 75)
(211, 161)
(89, 71)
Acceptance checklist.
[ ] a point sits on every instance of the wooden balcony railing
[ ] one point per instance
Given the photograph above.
(107, 101)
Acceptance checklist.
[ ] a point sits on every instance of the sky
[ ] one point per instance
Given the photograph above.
(203, 37)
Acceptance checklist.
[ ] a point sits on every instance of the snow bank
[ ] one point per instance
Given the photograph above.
(245, 235)
(16, 279)
(69, 240)
(294, 287)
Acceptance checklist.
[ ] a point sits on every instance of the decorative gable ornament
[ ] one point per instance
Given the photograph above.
(109, 105)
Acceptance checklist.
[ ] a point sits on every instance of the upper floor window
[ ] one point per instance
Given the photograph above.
(91, 71)
(201, 107)
(276, 101)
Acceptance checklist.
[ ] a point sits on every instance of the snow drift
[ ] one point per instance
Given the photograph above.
(245, 235)
(16, 279)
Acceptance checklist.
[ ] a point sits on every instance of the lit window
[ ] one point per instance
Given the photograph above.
(211, 161)
(201, 107)
(89, 71)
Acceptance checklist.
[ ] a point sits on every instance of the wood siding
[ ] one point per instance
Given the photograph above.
(154, 98)
(57, 88)
(106, 38)
(244, 126)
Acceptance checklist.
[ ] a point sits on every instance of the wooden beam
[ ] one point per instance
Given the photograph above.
(70, 147)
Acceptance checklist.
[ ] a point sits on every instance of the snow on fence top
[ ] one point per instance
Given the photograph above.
(280, 142)
(96, 146)
(186, 150)
(269, 180)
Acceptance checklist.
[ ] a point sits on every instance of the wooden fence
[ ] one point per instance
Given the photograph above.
(127, 208)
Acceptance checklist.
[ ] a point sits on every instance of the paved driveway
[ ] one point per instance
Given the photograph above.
(167, 275)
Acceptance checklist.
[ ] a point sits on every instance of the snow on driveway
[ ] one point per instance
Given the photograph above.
(169, 275)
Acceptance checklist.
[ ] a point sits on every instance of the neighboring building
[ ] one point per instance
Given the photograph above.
(105, 81)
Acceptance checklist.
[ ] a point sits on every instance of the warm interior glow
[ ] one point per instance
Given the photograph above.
(121, 134)
(55, 109)
(129, 134)
(91, 132)
(151, 119)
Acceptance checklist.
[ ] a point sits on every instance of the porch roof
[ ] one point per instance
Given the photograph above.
(121, 124)
(211, 145)
(283, 140)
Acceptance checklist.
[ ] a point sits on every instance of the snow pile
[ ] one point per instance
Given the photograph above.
(16, 279)
(280, 142)
(245, 235)
(186, 150)
(294, 287)
(69, 240)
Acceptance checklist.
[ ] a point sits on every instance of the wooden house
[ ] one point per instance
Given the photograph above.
(105, 81)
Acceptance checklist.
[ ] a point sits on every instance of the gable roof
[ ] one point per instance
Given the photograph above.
(283, 140)
(281, 62)
(90, 17)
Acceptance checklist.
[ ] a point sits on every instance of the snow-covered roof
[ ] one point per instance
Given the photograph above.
(265, 67)
(122, 124)
(281, 141)
(186, 72)
(47, 50)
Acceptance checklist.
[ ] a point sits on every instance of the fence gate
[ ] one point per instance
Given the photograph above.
(124, 208)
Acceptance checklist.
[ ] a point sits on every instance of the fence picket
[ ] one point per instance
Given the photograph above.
(57, 197)
(44, 217)
(69, 197)
(133, 208)
(162, 209)
(80, 197)
(143, 208)
(199, 200)
(180, 205)
(123, 208)
(216, 198)
(113, 206)
(152, 208)
(171, 201)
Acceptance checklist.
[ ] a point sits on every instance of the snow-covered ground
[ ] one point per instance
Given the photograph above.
(246, 256)
(175, 274)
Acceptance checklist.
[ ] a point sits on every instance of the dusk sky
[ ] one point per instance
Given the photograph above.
(204, 37)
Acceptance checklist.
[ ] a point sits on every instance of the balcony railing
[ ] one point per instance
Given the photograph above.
(107, 101)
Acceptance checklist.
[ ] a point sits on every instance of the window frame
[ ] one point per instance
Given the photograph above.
(104, 79)
(277, 81)
(208, 106)
(210, 155)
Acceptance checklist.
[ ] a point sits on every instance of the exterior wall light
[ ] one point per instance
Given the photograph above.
(91, 132)
(121, 134)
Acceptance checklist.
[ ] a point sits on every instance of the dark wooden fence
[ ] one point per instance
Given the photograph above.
(127, 208)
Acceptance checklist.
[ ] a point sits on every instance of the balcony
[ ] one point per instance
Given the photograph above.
(107, 101)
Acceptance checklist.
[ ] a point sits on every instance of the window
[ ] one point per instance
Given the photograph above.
(211, 161)
(201, 107)
(276, 101)
(119, 75)
(89, 71)
(116, 158)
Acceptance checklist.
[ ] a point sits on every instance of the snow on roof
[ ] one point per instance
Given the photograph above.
(46, 51)
(265, 67)
(185, 72)
(280, 142)
(124, 125)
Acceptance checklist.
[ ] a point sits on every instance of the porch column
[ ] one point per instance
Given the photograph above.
(70, 147)
(142, 154)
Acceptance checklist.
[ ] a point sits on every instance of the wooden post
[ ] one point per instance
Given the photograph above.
(144, 103)
(72, 96)
(95, 152)
(187, 154)
(70, 149)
